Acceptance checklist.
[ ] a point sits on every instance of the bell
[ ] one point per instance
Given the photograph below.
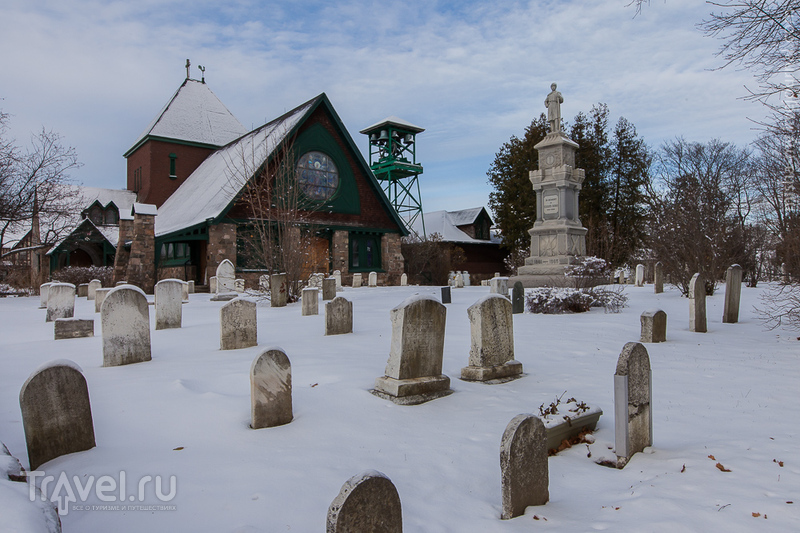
(409, 139)
(384, 136)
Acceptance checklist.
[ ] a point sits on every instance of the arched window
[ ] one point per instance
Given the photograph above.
(317, 176)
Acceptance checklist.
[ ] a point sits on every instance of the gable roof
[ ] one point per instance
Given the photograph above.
(108, 233)
(210, 191)
(444, 223)
(194, 114)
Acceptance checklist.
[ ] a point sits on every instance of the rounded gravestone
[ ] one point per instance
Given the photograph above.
(368, 502)
(60, 301)
(271, 389)
(125, 318)
(523, 465)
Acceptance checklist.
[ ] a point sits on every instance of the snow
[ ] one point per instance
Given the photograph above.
(444, 223)
(394, 121)
(144, 209)
(730, 394)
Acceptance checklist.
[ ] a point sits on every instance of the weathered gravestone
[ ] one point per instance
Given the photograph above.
(185, 291)
(459, 281)
(403, 279)
(328, 288)
(414, 370)
(44, 288)
(525, 478)
(238, 325)
(499, 285)
(125, 319)
(518, 298)
(368, 502)
(92, 289)
(120, 283)
(99, 297)
(60, 301)
(733, 294)
(337, 275)
(190, 285)
(654, 326)
(73, 328)
(270, 389)
(238, 285)
(357, 280)
(338, 316)
(658, 278)
(697, 304)
(633, 419)
(226, 277)
(56, 413)
(446, 296)
(212, 284)
(640, 275)
(373, 279)
(83, 290)
(169, 300)
(263, 282)
(278, 290)
(621, 277)
(631, 278)
(315, 280)
(491, 354)
(310, 301)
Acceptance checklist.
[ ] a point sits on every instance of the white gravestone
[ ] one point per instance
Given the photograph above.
(640, 275)
(99, 296)
(44, 288)
(337, 275)
(310, 301)
(226, 277)
(60, 301)
(373, 279)
(93, 286)
(357, 280)
(403, 279)
(125, 319)
(169, 300)
(238, 324)
(499, 285)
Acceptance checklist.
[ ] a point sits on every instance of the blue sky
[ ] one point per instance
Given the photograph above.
(471, 73)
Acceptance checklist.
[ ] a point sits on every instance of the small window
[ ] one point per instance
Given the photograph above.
(96, 215)
(365, 251)
(111, 217)
(172, 159)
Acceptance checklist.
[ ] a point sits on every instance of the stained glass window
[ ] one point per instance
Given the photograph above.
(317, 176)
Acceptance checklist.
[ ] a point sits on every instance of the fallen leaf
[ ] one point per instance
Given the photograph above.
(179, 448)
(712, 457)
(790, 502)
(683, 469)
(314, 385)
(722, 468)
(780, 464)
(756, 515)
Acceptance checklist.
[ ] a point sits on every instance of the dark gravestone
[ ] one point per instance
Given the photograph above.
(367, 503)
(518, 298)
(446, 295)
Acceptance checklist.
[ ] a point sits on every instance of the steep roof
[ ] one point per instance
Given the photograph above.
(444, 223)
(193, 114)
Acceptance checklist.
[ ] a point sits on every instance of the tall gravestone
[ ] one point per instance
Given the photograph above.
(338, 316)
(184, 290)
(640, 275)
(621, 277)
(270, 389)
(125, 319)
(658, 278)
(337, 275)
(524, 471)
(310, 301)
(499, 285)
(357, 280)
(92, 288)
(403, 279)
(518, 298)
(226, 277)
(238, 325)
(491, 353)
(328, 289)
(278, 290)
(697, 304)
(212, 284)
(446, 295)
(633, 390)
(654, 326)
(414, 370)
(169, 301)
(733, 294)
(44, 289)
(56, 413)
(60, 301)
(368, 502)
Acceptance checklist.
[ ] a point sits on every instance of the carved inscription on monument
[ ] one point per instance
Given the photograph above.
(550, 204)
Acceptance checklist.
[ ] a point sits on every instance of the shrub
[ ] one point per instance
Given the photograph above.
(557, 300)
(78, 275)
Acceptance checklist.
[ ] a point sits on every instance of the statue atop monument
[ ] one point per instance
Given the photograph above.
(553, 104)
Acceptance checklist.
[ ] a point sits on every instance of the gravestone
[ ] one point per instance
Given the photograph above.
(238, 325)
(99, 296)
(518, 298)
(640, 275)
(465, 275)
(226, 277)
(499, 285)
(658, 278)
(524, 473)
(263, 283)
(120, 283)
(310, 301)
(270, 389)
(338, 316)
(169, 301)
(733, 294)
(73, 328)
(491, 353)
(630, 277)
(60, 301)
(357, 280)
(212, 284)
(278, 290)
(93, 286)
(373, 279)
(403, 279)
(446, 297)
(368, 502)
(633, 390)
(190, 285)
(83, 290)
(328, 289)
(697, 304)
(459, 281)
(414, 370)
(337, 275)
(621, 277)
(44, 288)
(238, 285)
(125, 319)
(315, 280)
(56, 413)
(185, 291)
(654, 326)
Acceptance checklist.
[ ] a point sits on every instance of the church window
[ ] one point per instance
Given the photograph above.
(317, 176)
(365, 251)
(172, 159)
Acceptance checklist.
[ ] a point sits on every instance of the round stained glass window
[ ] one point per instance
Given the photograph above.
(317, 176)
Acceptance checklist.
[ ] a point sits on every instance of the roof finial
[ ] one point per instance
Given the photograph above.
(188, 64)
(202, 73)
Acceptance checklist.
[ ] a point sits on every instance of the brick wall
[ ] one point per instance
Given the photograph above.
(153, 159)
(141, 263)
(221, 245)
(122, 255)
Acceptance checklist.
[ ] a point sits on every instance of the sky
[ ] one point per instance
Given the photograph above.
(472, 73)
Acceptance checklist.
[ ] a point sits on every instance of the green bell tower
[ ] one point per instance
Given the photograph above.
(393, 160)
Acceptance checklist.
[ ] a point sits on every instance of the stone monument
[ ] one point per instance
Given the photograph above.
(557, 236)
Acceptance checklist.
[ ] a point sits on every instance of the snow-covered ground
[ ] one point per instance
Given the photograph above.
(731, 393)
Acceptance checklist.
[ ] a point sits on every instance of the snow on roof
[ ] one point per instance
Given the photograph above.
(122, 198)
(144, 209)
(466, 216)
(215, 183)
(396, 121)
(444, 223)
(195, 114)
(109, 233)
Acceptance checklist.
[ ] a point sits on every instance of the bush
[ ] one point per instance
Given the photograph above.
(557, 300)
(78, 275)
